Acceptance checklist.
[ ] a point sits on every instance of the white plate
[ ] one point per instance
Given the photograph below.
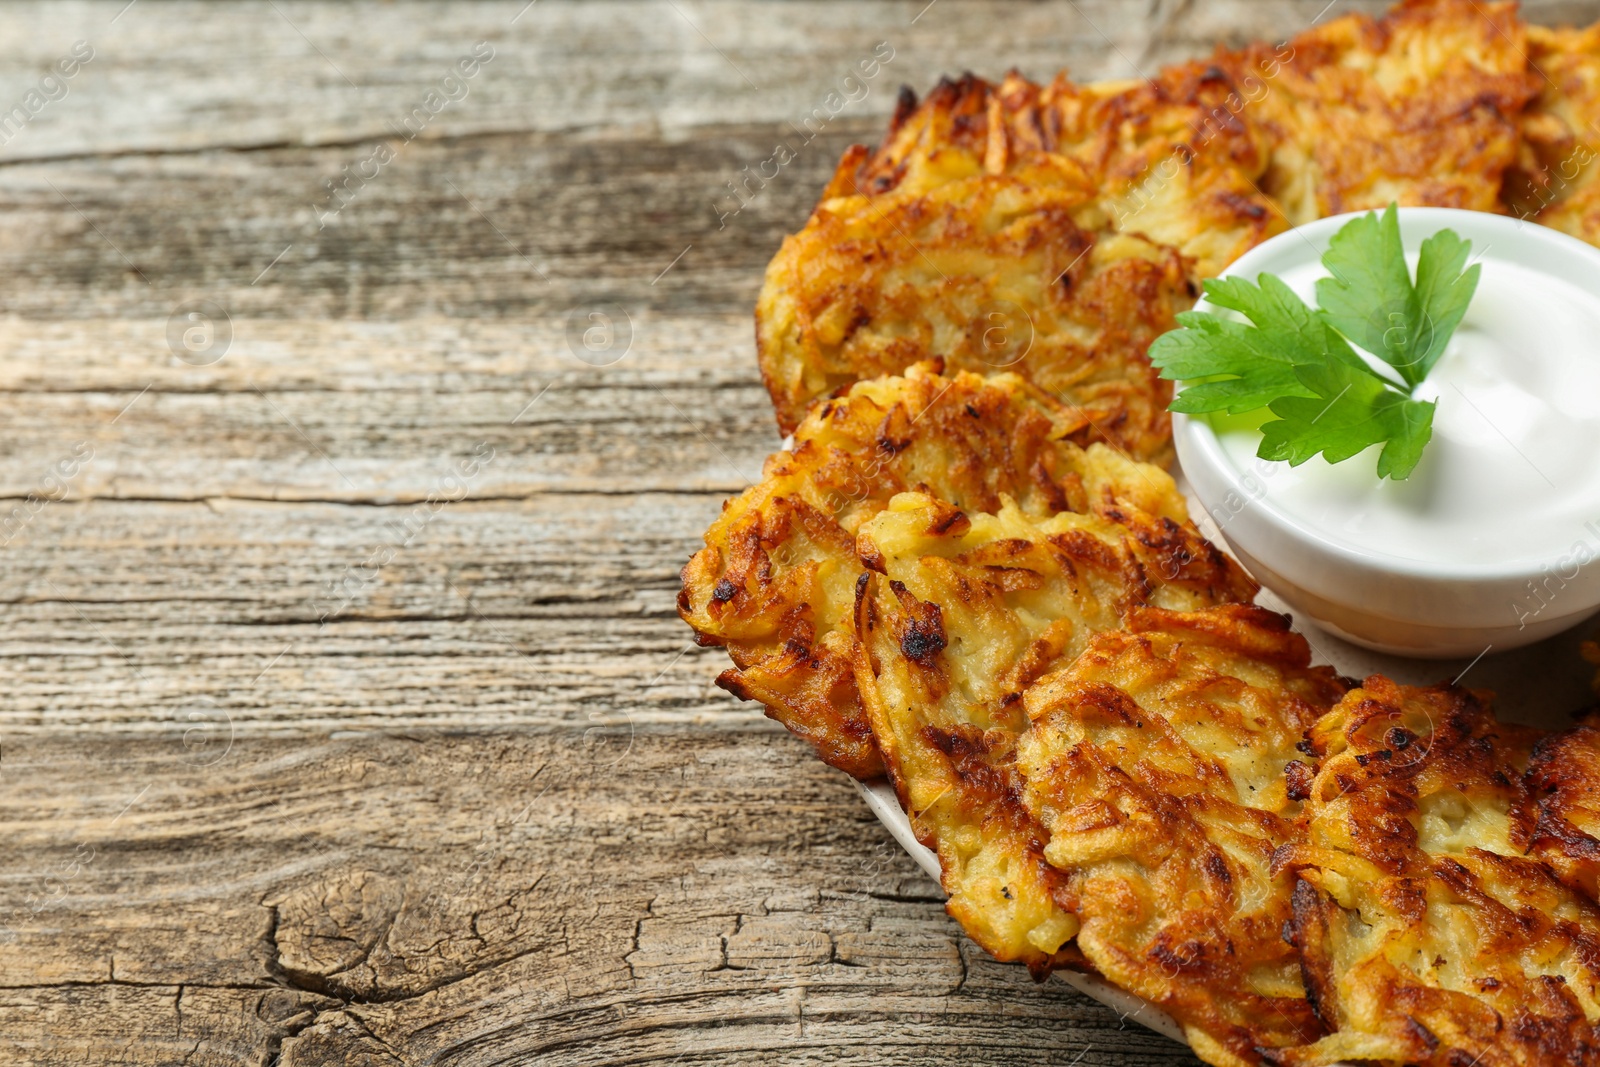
(1540, 685)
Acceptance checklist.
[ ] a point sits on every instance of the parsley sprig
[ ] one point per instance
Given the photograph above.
(1299, 362)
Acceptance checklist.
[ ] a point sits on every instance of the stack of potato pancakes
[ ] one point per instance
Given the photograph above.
(972, 574)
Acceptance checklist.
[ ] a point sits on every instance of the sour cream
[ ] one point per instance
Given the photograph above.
(1512, 473)
(1494, 540)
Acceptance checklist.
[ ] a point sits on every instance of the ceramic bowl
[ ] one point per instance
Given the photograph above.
(1396, 602)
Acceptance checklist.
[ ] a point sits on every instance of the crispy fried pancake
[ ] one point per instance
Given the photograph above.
(1558, 182)
(1564, 778)
(961, 614)
(1172, 157)
(1419, 107)
(1169, 157)
(1053, 231)
(991, 273)
(775, 583)
(1429, 937)
(1156, 764)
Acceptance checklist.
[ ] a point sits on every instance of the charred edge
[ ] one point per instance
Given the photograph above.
(1297, 780)
(1306, 905)
(1243, 205)
(865, 618)
(1421, 1034)
(732, 681)
(1551, 828)
(924, 637)
(1217, 868)
(955, 744)
(905, 105)
(952, 521)
(922, 642)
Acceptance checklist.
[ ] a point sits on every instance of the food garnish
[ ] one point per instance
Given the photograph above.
(1301, 363)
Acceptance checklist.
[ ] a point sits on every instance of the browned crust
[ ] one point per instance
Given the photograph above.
(990, 273)
(1011, 194)
(1564, 780)
(1117, 133)
(957, 783)
(1156, 760)
(961, 614)
(1428, 936)
(775, 581)
(1420, 106)
(1557, 178)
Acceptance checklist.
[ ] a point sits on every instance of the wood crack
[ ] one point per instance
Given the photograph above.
(362, 1025)
(328, 985)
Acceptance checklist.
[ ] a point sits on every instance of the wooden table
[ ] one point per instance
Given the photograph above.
(348, 717)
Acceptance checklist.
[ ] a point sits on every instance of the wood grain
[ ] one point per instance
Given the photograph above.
(349, 719)
(297, 73)
(582, 896)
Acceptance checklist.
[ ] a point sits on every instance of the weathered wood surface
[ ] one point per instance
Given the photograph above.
(570, 896)
(295, 766)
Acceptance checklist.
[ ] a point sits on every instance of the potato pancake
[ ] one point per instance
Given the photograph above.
(1428, 935)
(960, 613)
(1167, 157)
(1564, 779)
(1172, 158)
(1418, 107)
(1054, 231)
(1156, 765)
(990, 273)
(1558, 182)
(775, 583)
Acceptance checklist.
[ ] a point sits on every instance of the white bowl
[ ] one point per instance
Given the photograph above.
(1383, 601)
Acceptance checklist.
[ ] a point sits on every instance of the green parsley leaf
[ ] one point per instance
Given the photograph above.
(1372, 301)
(1299, 363)
(1239, 367)
(1444, 290)
(1352, 410)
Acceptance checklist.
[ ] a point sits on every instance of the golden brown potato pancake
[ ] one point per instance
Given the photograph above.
(1558, 182)
(1168, 158)
(1428, 935)
(1052, 231)
(1156, 765)
(1419, 107)
(990, 273)
(775, 583)
(1564, 778)
(960, 614)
